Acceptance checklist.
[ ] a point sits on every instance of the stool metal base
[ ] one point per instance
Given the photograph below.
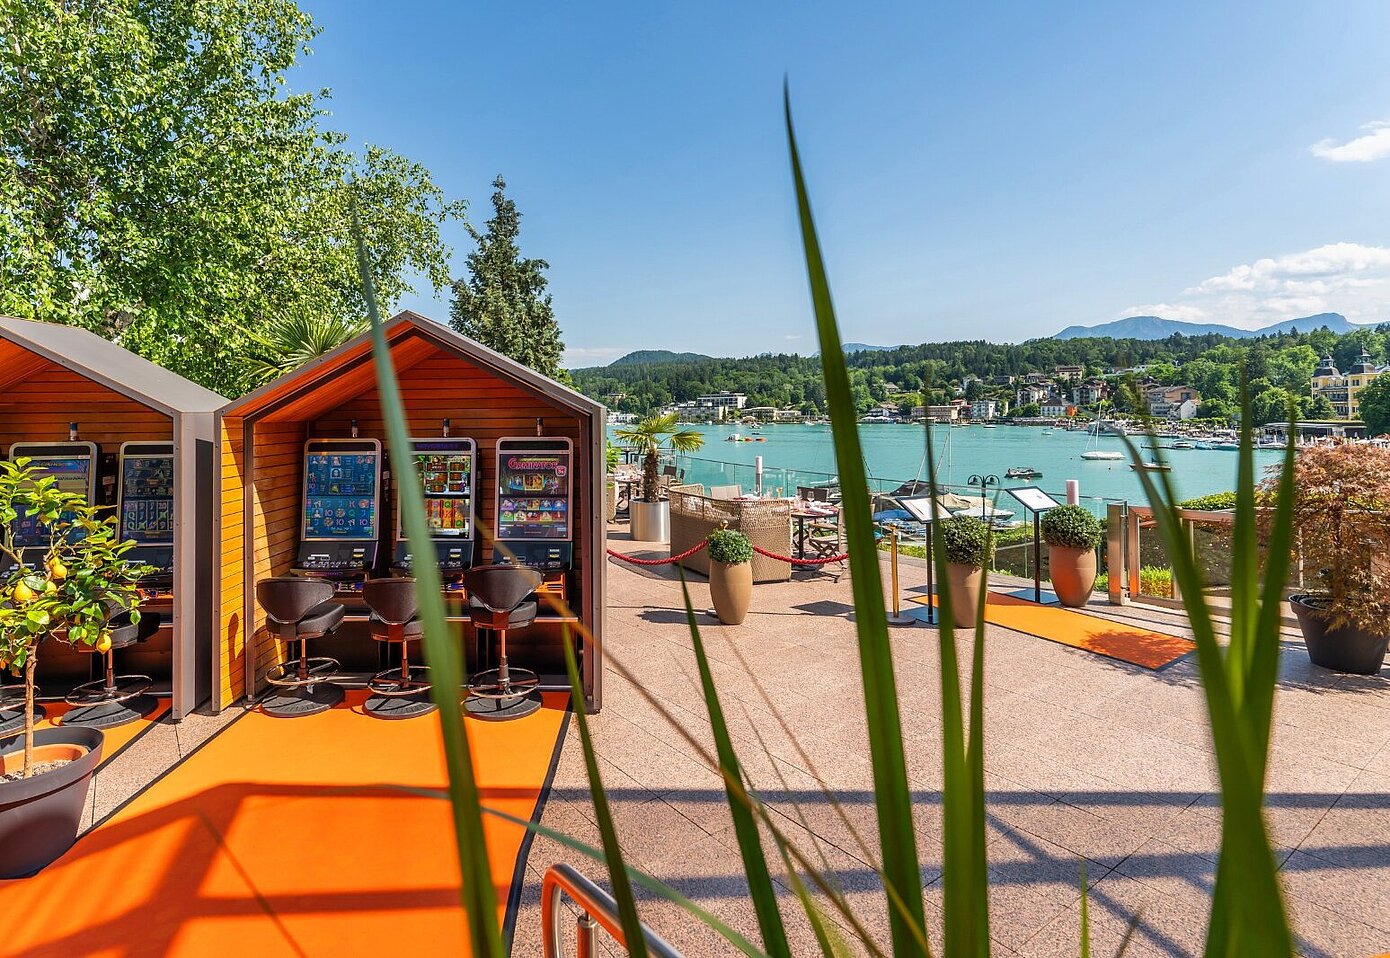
(112, 713)
(488, 684)
(98, 693)
(494, 709)
(302, 701)
(12, 719)
(286, 675)
(399, 706)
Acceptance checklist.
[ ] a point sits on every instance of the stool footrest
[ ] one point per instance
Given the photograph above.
(392, 682)
(123, 688)
(489, 684)
(286, 676)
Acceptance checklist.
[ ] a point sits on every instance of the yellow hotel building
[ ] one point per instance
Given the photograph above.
(1341, 389)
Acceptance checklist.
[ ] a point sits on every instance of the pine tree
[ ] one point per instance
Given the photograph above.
(503, 303)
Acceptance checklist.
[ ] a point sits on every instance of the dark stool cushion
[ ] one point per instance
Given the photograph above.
(523, 614)
(381, 629)
(321, 618)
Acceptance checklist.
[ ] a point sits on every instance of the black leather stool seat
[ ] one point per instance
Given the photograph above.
(324, 617)
(412, 629)
(523, 614)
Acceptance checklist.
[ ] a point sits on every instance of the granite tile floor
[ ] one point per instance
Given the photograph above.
(1086, 759)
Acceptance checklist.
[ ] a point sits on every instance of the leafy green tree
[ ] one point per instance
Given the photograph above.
(1272, 404)
(160, 188)
(1319, 407)
(1374, 403)
(503, 303)
(1028, 411)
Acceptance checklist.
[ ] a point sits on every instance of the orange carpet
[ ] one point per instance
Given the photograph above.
(117, 739)
(1128, 643)
(272, 840)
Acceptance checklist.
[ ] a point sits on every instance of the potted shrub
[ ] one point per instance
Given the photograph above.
(76, 578)
(969, 549)
(1341, 514)
(651, 515)
(730, 574)
(1072, 534)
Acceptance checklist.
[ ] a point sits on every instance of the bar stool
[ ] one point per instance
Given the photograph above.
(115, 700)
(300, 609)
(498, 601)
(395, 618)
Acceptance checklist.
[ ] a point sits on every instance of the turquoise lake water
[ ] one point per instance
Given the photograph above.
(894, 453)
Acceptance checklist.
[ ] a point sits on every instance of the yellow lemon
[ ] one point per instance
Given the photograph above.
(104, 644)
(48, 586)
(22, 593)
(58, 571)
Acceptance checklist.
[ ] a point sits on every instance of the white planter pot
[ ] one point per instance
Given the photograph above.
(651, 521)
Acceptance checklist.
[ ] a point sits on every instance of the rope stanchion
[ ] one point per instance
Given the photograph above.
(636, 561)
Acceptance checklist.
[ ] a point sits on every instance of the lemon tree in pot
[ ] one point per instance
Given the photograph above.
(1341, 513)
(75, 575)
(1072, 534)
(969, 550)
(651, 515)
(730, 574)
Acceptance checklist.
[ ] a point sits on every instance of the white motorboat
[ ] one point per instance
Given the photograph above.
(1101, 455)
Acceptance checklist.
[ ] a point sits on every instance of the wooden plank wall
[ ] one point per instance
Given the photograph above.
(39, 408)
(232, 582)
(275, 503)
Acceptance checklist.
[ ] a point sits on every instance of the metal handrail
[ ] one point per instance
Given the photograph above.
(597, 908)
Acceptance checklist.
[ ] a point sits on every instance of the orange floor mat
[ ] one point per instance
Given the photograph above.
(117, 739)
(1128, 643)
(275, 838)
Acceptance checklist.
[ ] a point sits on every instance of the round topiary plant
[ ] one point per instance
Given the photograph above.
(1072, 527)
(968, 541)
(730, 547)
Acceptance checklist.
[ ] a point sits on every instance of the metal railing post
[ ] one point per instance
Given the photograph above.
(1132, 554)
(1115, 518)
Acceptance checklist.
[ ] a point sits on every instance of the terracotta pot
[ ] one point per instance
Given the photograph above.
(40, 816)
(1073, 574)
(1345, 649)
(731, 589)
(965, 582)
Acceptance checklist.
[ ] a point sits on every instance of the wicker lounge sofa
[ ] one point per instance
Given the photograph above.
(766, 522)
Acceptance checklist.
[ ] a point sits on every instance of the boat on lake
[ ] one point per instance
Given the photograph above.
(1101, 455)
(1023, 472)
(1151, 466)
(1183, 444)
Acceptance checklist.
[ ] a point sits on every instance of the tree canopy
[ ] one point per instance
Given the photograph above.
(160, 187)
(503, 303)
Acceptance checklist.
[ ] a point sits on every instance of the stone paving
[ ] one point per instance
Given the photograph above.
(1086, 758)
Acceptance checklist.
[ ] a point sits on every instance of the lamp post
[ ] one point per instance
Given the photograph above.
(984, 482)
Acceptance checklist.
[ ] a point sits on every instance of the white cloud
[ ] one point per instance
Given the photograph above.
(792, 337)
(579, 356)
(1346, 278)
(1373, 144)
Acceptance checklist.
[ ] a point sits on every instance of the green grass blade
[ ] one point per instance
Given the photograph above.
(901, 870)
(1085, 914)
(755, 869)
(442, 650)
(612, 852)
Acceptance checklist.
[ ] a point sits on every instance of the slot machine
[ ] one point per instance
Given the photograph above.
(339, 525)
(535, 500)
(445, 468)
(77, 467)
(145, 505)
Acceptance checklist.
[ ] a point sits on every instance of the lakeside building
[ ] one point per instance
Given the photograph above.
(722, 400)
(1172, 402)
(988, 408)
(1342, 389)
(947, 413)
(1069, 374)
(1057, 407)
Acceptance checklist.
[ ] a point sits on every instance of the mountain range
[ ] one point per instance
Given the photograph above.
(1156, 327)
(651, 357)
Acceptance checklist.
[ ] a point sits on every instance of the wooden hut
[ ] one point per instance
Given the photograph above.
(443, 375)
(52, 376)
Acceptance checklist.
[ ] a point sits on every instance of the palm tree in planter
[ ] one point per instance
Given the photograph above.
(969, 547)
(1072, 534)
(651, 517)
(76, 578)
(1341, 513)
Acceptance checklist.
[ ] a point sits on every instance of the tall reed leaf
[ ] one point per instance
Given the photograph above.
(892, 797)
(612, 851)
(965, 871)
(1247, 915)
(755, 869)
(442, 651)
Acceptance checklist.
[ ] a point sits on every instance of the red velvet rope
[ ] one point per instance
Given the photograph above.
(781, 558)
(684, 555)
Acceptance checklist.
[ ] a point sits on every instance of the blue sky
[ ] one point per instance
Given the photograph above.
(991, 171)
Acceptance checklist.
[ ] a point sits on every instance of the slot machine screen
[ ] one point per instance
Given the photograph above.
(73, 473)
(147, 498)
(340, 494)
(534, 493)
(445, 469)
